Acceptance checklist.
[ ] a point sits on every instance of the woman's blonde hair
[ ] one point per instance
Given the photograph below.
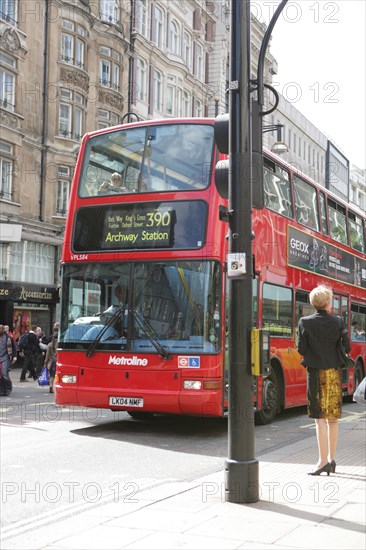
(321, 297)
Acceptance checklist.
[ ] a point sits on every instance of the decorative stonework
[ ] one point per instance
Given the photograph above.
(9, 119)
(111, 98)
(68, 74)
(10, 41)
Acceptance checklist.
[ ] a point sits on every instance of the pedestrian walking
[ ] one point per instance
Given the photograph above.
(318, 336)
(51, 357)
(41, 351)
(8, 356)
(29, 345)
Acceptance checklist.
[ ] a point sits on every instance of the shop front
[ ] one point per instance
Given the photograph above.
(23, 305)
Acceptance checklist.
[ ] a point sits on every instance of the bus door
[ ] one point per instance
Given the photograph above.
(287, 374)
(340, 307)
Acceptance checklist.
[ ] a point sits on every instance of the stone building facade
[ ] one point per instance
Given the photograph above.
(69, 67)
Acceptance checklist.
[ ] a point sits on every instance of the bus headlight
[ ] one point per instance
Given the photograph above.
(68, 379)
(192, 384)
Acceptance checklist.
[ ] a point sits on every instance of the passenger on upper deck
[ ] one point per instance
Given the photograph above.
(114, 186)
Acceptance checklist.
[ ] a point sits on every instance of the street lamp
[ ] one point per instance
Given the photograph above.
(245, 173)
(279, 147)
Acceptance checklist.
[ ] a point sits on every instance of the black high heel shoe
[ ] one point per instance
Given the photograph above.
(332, 465)
(326, 468)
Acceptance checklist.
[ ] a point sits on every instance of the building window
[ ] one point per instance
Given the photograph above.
(174, 39)
(72, 44)
(170, 95)
(199, 62)
(159, 26)
(141, 20)
(6, 170)
(28, 262)
(9, 11)
(63, 189)
(157, 90)
(198, 108)
(107, 119)
(186, 104)
(71, 114)
(7, 82)
(187, 50)
(141, 79)
(109, 11)
(109, 69)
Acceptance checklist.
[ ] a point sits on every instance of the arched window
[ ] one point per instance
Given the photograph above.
(187, 50)
(174, 40)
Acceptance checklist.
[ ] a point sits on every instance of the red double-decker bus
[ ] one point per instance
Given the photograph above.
(144, 303)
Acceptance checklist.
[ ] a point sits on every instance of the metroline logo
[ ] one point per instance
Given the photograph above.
(130, 361)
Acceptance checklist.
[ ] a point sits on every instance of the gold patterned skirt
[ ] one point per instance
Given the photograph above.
(324, 393)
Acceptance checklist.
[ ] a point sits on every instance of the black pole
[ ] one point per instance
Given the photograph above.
(241, 469)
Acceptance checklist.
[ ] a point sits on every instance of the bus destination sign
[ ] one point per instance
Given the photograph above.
(307, 252)
(136, 226)
(138, 229)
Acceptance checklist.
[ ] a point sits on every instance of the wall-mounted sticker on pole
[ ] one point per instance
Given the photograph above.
(236, 265)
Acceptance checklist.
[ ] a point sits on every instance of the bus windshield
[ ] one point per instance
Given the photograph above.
(170, 157)
(165, 307)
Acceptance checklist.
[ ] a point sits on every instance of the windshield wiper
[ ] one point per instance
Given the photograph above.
(109, 323)
(150, 334)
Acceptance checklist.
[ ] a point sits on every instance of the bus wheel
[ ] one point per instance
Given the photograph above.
(358, 376)
(140, 415)
(270, 396)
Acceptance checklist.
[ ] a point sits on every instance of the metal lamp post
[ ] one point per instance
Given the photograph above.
(241, 467)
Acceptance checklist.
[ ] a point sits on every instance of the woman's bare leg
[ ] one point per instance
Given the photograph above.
(332, 430)
(322, 439)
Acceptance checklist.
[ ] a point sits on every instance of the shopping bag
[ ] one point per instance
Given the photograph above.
(360, 394)
(44, 377)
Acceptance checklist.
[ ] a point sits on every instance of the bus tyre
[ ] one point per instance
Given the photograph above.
(140, 415)
(270, 393)
(358, 376)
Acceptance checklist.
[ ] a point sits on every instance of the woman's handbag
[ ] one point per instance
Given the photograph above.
(44, 377)
(347, 360)
(360, 394)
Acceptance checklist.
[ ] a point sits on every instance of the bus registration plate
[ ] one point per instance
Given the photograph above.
(126, 401)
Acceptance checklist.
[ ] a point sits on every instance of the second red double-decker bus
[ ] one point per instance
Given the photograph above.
(144, 302)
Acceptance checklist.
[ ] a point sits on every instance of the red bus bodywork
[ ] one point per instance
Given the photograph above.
(122, 380)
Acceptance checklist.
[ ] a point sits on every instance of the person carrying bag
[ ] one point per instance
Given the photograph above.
(50, 359)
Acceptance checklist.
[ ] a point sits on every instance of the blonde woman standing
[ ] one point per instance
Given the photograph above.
(318, 336)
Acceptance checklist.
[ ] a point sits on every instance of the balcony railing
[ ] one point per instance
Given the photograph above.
(109, 84)
(70, 135)
(6, 17)
(71, 61)
(5, 104)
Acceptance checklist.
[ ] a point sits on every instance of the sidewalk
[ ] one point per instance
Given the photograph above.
(295, 510)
